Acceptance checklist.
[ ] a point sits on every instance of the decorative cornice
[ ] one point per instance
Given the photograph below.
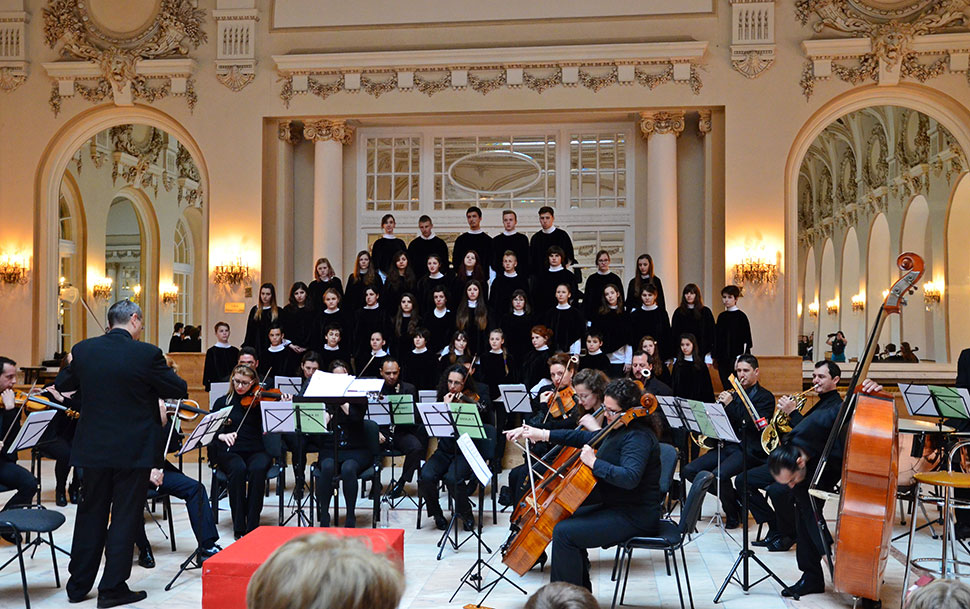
(704, 123)
(236, 46)
(13, 49)
(324, 130)
(486, 70)
(661, 122)
(287, 133)
(752, 36)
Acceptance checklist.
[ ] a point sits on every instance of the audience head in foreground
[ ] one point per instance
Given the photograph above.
(321, 571)
(940, 594)
(560, 595)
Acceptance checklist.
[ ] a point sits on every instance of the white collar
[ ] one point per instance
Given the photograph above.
(329, 312)
(379, 353)
(476, 232)
(690, 306)
(372, 307)
(599, 272)
(439, 314)
(266, 308)
(276, 349)
(597, 352)
(734, 308)
(471, 303)
(403, 314)
(437, 275)
(429, 238)
(555, 269)
(688, 358)
(519, 313)
(549, 230)
(652, 307)
(562, 307)
(510, 275)
(543, 348)
(499, 352)
(222, 345)
(510, 234)
(329, 348)
(419, 351)
(612, 307)
(386, 236)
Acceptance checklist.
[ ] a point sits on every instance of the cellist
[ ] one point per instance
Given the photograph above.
(793, 462)
(626, 501)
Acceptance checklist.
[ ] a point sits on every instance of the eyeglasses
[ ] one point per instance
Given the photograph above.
(242, 382)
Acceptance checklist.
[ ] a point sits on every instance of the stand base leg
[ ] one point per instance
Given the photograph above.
(190, 564)
(743, 557)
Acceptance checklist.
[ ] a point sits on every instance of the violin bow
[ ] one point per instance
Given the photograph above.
(16, 419)
(574, 360)
(255, 397)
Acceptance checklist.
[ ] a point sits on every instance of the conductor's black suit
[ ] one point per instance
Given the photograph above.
(121, 381)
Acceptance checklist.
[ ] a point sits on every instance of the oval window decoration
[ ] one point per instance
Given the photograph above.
(495, 172)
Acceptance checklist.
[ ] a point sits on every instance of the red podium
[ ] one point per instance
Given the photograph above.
(226, 575)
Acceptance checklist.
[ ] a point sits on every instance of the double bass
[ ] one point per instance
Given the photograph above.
(870, 464)
(557, 496)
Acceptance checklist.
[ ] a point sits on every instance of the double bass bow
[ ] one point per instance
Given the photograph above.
(870, 464)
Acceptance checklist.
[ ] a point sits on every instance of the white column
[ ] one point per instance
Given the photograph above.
(284, 207)
(661, 130)
(329, 138)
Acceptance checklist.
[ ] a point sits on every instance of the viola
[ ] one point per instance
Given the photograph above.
(562, 402)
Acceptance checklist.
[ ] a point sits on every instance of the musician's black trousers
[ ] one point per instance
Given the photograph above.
(732, 462)
(246, 472)
(414, 445)
(593, 526)
(809, 551)
(455, 471)
(119, 493)
(352, 463)
(177, 484)
(781, 519)
(15, 477)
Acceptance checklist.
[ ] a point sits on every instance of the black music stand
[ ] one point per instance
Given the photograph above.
(296, 418)
(202, 435)
(746, 553)
(389, 411)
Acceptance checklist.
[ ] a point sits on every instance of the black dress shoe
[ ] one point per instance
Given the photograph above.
(768, 538)
(113, 599)
(781, 543)
(440, 523)
(468, 522)
(505, 497)
(541, 561)
(145, 558)
(205, 553)
(76, 599)
(396, 491)
(60, 498)
(732, 522)
(803, 588)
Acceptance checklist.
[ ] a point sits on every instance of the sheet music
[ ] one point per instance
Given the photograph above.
(362, 387)
(951, 401)
(206, 430)
(516, 398)
(467, 419)
(722, 424)
(475, 459)
(426, 396)
(289, 384)
(918, 400)
(437, 419)
(31, 431)
(684, 407)
(217, 391)
(278, 417)
(703, 421)
(668, 407)
(379, 412)
(328, 385)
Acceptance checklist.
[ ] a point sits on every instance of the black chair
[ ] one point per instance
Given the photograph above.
(670, 537)
(33, 519)
(371, 474)
(219, 486)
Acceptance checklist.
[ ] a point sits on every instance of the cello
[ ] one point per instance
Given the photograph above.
(870, 464)
(559, 494)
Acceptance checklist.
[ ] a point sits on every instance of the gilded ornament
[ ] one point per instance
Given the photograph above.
(429, 87)
(752, 63)
(235, 78)
(286, 132)
(661, 123)
(379, 87)
(598, 82)
(704, 122)
(486, 85)
(10, 79)
(323, 130)
(540, 84)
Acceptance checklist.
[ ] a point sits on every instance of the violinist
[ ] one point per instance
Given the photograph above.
(239, 452)
(626, 500)
(447, 462)
(56, 444)
(793, 463)
(732, 457)
(12, 475)
(410, 439)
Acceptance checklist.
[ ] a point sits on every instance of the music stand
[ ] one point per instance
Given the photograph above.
(296, 418)
(202, 435)
(31, 431)
(389, 411)
(704, 415)
(292, 385)
(473, 576)
(426, 396)
(677, 418)
(516, 398)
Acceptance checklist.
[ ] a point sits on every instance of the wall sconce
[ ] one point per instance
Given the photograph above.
(859, 303)
(932, 293)
(799, 309)
(137, 292)
(832, 306)
(170, 295)
(758, 270)
(102, 288)
(232, 273)
(13, 269)
(813, 309)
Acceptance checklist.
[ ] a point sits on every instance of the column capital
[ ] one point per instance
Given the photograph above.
(325, 129)
(287, 132)
(704, 123)
(661, 122)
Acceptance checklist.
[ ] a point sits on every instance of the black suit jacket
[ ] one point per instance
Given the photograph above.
(963, 369)
(121, 381)
(764, 404)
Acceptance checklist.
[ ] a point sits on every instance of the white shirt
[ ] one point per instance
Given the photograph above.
(472, 304)
(652, 307)
(437, 275)
(475, 232)
(329, 348)
(597, 352)
(386, 236)
(378, 353)
(371, 307)
(428, 238)
(510, 234)
(562, 307)
(553, 269)
(419, 351)
(519, 313)
(276, 349)
(549, 230)
(222, 345)
(507, 274)
(440, 314)
(734, 308)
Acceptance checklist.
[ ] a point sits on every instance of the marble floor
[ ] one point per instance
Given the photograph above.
(431, 583)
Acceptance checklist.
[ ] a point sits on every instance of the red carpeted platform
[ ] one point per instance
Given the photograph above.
(226, 575)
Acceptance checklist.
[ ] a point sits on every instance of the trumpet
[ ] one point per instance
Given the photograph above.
(781, 422)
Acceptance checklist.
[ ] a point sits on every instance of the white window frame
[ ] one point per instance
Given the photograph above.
(446, 221)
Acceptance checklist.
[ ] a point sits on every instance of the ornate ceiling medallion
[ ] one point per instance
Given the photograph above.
(898, 33)
(119, 37)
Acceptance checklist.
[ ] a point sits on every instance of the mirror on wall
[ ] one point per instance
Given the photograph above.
(130, 218)
(875, 183)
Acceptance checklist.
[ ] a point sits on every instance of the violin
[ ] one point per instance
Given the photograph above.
(562, 402)
(187, 410)
(36, 404)
(260, 395)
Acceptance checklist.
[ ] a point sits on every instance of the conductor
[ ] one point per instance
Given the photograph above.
(120, 381)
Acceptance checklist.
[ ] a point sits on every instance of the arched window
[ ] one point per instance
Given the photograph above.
(182, 271)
